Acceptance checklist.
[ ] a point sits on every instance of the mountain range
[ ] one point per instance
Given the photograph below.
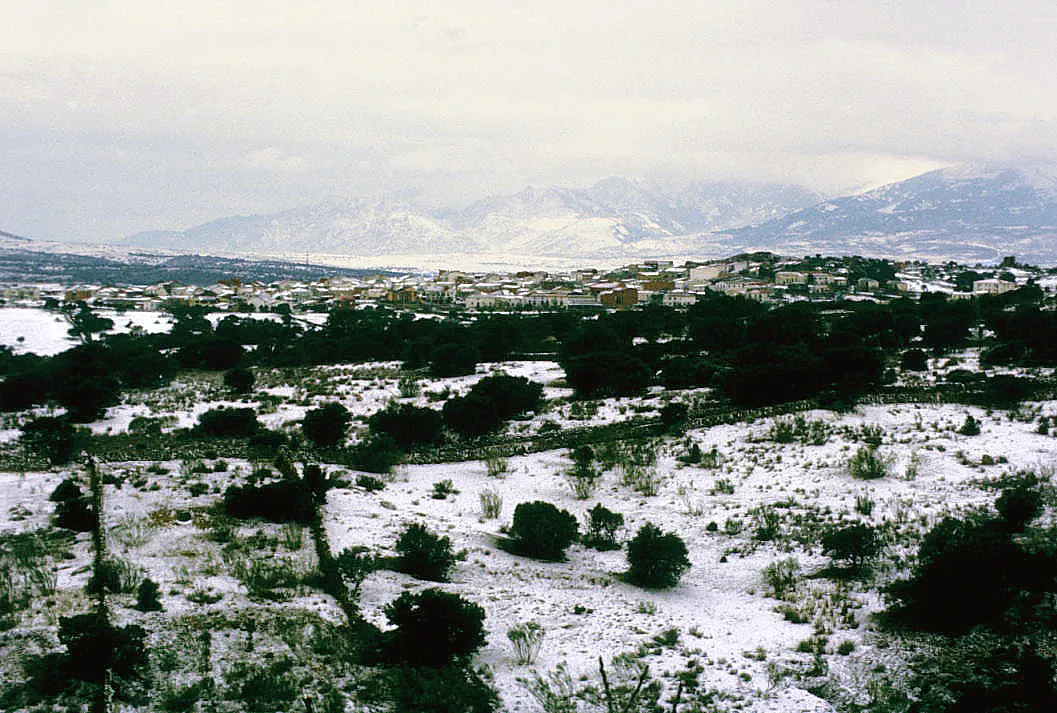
(612, 218)
(964, 214)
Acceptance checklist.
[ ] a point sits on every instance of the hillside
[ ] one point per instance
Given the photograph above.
(237, 537)
(615, 217)
(33, 261)
(963, 214)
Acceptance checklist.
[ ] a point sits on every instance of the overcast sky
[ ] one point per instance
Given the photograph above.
(118, 116)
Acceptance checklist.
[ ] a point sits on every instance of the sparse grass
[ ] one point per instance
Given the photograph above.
(868, 464)
(782, 577)
(723, 486)
(274, 578)
(495, 465)
(370, 483)
(527, 638)
(292, 536)
(118, 575)
(491, 503)
(442, 489)
(132, 532)
(583, 485)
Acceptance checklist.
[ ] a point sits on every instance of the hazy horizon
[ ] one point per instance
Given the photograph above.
(122, 117)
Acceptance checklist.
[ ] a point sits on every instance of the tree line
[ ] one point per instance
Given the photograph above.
(752, 354)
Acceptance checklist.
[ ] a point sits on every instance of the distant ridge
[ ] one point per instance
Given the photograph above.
(30, 261)
(966, 213)
(615, 217)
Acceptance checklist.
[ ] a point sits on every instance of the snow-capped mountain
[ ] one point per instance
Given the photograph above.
(362, 227)
(963, 214)
(967, 214)
(613, 217)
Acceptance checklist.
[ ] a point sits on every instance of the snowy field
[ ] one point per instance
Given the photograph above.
(726, 624)
(36, 331)
(29, 330)
(745, 648)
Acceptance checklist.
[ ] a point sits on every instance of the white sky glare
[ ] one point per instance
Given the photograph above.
(123, 116)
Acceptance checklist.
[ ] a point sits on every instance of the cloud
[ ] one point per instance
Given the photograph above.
(276, 160)
(240, 105)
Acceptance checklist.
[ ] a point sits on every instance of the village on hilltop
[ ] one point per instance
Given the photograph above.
(761, 276)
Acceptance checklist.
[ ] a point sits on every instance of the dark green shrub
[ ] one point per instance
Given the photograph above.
(470, 416)
(1019, 504)
(265, 442)
(316, 481)
(673, 416)
(491, 401)
(21, 390)
(971, 427)
(93, 646)
(370, 483)
(48, 675)
(656, 559)
(147, 596)
(969, 573)
(509, 395)
(984, 673)
(240, 380)
(66, 490)
(602, 527)
(378, 454)
(433, 628)
(213, 354)
(228, 422)
(914, 360)
(453, 360)
(86, 397)
(326, 426)
(856, 544)
(284, 501)
(683, 372)
(424, 555)
(446, 689)
(76, 514)
(354, 564)
(51, 437)
(408, 425)
(183, 698)
(542, 531)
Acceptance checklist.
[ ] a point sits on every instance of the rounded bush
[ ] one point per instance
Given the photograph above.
(240, 380)
(408, 425)
(424, 555)
(656, 559)
(434, 628)
(283, 501)
(543, 531)
(326, 425)
(228, 422)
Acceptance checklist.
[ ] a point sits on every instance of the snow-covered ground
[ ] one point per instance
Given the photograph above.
(30, 330)
(725, 621)
(720, 609)
(720, 620)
